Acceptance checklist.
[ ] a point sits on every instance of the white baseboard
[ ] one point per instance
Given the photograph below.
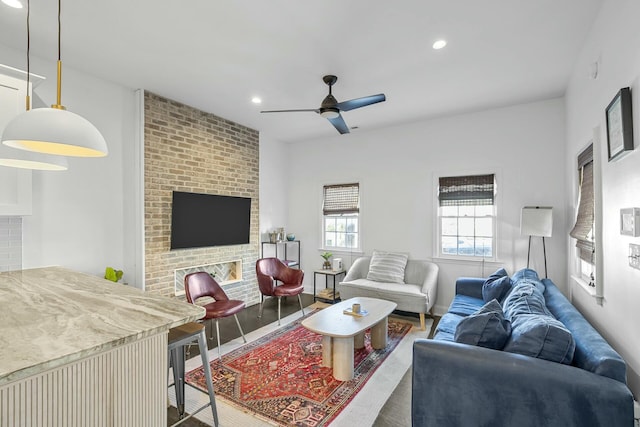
(440, 310)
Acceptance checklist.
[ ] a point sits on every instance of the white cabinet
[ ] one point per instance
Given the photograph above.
(15, 184)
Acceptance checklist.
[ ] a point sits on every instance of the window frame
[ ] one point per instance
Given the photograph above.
(439, 217)
(586, 270)
(357, 215)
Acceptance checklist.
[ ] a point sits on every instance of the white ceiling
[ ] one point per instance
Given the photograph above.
(216, 55)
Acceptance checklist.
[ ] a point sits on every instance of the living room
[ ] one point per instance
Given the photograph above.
(92, 215)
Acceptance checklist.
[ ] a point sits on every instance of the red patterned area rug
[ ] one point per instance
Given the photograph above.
(279, 378)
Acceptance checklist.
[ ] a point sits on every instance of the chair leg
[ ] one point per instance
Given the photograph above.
(240, 327)
(279, 310)
(202, 343)
(177, 363)
(261, 305)
(218, 334)
(300, 301)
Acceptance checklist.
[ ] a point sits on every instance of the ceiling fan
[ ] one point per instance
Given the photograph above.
(330, 108)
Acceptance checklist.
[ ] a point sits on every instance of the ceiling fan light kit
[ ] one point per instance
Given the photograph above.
(330, 108)
(330, 113)
(54, 130)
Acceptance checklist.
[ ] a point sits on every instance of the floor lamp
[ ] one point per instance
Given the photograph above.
(537, 221)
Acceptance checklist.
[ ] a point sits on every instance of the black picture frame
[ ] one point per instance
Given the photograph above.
(619, 124)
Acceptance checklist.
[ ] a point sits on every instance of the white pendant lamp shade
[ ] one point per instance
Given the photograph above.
(55, 131)
(28, 160)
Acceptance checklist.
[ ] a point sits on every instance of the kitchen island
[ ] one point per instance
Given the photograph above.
(76, 349)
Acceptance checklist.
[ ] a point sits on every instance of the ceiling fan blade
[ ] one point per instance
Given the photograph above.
(339, 124)
(315, 110)
(360, 102)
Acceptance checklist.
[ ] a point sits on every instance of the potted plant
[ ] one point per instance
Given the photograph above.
(327, 264)
(111, 274)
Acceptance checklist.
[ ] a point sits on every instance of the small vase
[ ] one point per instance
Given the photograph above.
(326, 265)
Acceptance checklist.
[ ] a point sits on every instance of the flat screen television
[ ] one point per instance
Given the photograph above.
(200, 220)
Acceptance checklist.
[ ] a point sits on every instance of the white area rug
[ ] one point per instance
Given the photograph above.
(361, 411)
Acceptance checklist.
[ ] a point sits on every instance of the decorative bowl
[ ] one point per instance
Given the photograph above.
(291, 237)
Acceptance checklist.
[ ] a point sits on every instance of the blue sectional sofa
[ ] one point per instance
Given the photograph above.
(458, 384)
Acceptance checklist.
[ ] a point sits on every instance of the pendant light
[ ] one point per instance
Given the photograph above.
(24, 159)
(29, 160)
(55, 130)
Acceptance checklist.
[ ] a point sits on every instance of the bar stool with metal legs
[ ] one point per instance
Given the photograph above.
(179, 337)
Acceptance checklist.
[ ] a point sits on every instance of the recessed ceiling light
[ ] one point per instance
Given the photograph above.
(13, 3)
(439, 44)
(256, 100)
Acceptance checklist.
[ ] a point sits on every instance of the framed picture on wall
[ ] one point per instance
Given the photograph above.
(619, 124)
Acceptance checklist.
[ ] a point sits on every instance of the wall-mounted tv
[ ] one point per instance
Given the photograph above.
(200, 220)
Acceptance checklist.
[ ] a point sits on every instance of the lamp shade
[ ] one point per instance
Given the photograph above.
(536, 221)
(28, 160)
(54, 131)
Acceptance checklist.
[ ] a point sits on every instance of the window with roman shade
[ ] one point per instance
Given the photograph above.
(467, 215)
(341, 211)
(583, 229)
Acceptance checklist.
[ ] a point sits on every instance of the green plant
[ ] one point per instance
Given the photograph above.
(112, 274)
(326, 255)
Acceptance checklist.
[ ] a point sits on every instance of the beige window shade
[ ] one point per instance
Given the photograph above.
(583, 229)
(341, 199)
(472, 190)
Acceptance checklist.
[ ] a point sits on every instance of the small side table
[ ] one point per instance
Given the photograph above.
(326, 274)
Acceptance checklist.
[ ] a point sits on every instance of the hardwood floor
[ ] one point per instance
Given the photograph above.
(229, 330)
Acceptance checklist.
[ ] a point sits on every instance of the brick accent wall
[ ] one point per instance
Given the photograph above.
(186, 149)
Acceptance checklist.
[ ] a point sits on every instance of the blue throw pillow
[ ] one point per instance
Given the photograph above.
(541, 336)
(485, 328)
(496, 288)
(525, 298)
(526, 275)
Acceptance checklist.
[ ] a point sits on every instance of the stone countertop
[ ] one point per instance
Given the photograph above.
(53, 316)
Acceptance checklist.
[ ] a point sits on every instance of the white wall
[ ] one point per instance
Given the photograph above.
(396, 169)
(78, 219)
(615, 41)
(274, 186)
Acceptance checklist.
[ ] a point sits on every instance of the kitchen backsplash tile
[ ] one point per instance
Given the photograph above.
(10, 243)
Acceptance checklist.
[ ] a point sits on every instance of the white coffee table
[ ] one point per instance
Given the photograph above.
(341, 333)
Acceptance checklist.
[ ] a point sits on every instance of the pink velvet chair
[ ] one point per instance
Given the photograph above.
(201, 284)
(270, 271)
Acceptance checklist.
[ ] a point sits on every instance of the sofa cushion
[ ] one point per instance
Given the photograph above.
(541, 336)
(387, 267)
(496, 288)
(448, 323)
(409, 297)
(464, 305)
(485, 328)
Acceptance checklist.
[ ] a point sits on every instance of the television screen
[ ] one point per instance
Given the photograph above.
(199, 220)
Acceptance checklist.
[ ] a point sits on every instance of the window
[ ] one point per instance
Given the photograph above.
(466, 216)
(583, 230)
(341, 211)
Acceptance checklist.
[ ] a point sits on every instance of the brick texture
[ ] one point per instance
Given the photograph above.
(186, 149)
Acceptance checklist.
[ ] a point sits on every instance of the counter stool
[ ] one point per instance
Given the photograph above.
(179, 337)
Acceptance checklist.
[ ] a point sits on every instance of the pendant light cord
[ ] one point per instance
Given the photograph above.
(58, 103)
(28, 100)
(59, 28)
